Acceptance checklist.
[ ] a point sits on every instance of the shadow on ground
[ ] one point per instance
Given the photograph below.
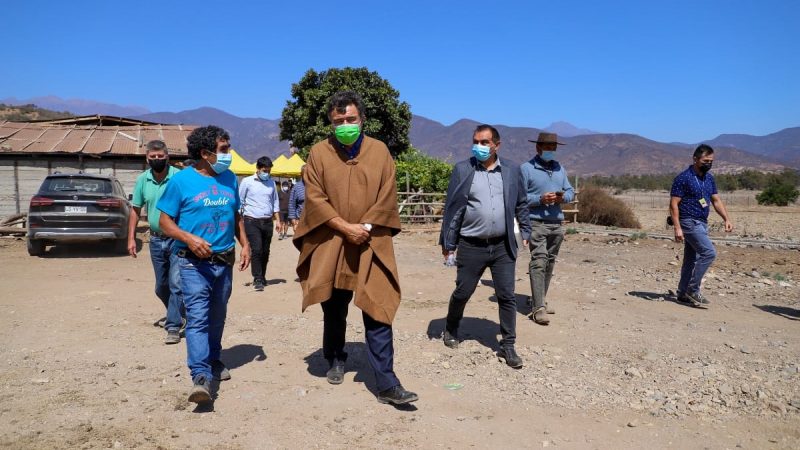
(783, 311)
(241, 354)
(482, 330)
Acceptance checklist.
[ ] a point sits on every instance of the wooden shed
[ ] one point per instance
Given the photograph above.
(29, 151)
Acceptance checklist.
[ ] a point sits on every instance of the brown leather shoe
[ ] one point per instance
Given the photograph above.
(540, 316)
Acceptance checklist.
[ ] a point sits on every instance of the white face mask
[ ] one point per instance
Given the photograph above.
(284, 188)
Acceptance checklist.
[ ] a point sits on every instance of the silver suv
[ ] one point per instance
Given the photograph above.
(78, 207)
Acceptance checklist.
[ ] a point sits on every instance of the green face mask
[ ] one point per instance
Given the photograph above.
(347, 133)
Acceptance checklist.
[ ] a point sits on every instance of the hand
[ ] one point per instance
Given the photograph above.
(728, 226)
(525, 242)
(244, 260)
(678, 234)
(445, 253)
(132, 247)
(199, 246)
(549, 198)
(294, 223)
(356, 234)
(278, 225)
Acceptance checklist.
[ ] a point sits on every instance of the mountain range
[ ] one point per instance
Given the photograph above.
(585, 152)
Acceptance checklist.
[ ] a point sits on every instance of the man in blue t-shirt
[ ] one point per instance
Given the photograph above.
(693, 190)
(200, 210)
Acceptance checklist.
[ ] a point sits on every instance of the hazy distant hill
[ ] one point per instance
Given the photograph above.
(24, 113)
(586, 152)
(783, 146)
(252, 138)
(602, 154)
(79, 106)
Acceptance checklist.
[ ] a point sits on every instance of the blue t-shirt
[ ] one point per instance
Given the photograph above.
(203, 206)
(691, 187)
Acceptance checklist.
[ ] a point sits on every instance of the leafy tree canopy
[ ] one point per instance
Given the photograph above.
(304, 120)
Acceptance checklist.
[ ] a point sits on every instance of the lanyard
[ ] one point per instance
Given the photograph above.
(702, 187)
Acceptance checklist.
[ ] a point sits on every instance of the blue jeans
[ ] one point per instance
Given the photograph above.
(168, 283)
(698, 254)
(206, 289)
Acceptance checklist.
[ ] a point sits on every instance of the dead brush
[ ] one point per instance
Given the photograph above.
(600, 208)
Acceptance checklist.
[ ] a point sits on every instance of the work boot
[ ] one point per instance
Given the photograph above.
(201, 391)
(219, 371)
(173, 337)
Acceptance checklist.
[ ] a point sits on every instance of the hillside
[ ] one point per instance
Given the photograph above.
(23, 113)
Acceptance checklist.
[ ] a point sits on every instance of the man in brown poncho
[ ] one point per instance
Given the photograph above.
(345, 242)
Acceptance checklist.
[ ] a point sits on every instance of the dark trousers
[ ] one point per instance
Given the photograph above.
(259, 234)
(380, 351)
(471, 261)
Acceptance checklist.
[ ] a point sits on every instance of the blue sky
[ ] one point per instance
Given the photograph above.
(667, 70)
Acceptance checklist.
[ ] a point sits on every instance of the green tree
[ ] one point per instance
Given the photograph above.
(304, 120)
(778, 192)
(423, 172)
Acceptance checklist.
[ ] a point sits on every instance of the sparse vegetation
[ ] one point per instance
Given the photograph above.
(747, 179)
(572, 231)
(638, 235)
(600, 208)
(24, 113)
(779, 192)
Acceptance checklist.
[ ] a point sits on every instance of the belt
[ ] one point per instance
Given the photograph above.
(483, 241)
(227, 257)
(268, 219)
(158, 234)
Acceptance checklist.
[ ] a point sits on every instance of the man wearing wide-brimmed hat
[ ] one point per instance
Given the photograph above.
(547, 186)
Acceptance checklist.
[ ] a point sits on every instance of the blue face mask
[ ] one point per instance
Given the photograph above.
(548, 155)
(223, 162)
(481, 152)
(263, 176)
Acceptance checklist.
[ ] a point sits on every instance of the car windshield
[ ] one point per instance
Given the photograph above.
(66, 184)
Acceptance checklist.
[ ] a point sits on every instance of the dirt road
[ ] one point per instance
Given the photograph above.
(620, 366)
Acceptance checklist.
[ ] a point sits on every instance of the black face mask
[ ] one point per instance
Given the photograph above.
(704, 168)
(157, 165)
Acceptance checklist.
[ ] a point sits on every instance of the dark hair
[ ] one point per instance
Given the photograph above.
(205, 138)
(264, 161)
(156, 145)
(188, 162)
(342, 99)
(285, 183)
(703, 150)
(484, 127)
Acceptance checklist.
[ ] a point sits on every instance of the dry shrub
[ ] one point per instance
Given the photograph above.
(598, 207)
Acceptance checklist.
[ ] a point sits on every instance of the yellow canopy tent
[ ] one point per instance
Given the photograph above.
(287, 167)
(240, 166)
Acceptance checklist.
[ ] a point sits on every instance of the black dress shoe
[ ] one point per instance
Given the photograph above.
(450, 340)
(510, 355)
(335, 374)
(397, 396)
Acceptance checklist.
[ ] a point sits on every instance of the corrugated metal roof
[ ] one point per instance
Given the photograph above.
(32, 137)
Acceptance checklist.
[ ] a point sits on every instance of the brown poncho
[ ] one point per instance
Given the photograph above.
(360, 190)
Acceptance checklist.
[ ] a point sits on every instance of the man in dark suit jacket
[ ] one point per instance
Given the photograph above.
(484, 196)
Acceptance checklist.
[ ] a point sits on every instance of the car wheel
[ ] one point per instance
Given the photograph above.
(35, 247)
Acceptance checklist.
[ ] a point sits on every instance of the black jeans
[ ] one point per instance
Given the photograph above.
(259, 234)
(471, 261)
(380, 348)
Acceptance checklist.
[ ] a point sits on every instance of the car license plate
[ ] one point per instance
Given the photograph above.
(75, 209)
